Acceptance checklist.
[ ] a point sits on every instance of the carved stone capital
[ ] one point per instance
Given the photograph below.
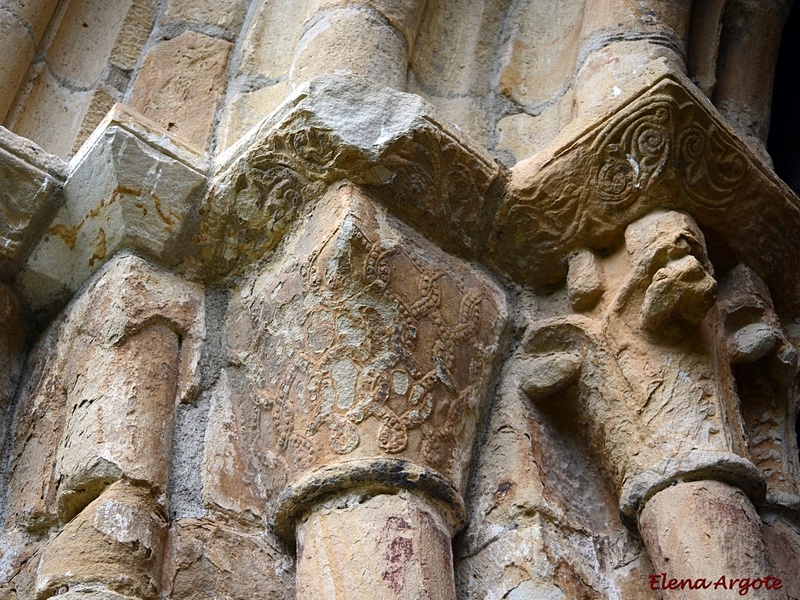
(340, 128)
(131, 186)
(667, 148)
(30, 191)
(360, 361)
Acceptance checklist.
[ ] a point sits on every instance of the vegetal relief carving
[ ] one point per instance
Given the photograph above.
(365, 343)
(663, 150)
(644, 367)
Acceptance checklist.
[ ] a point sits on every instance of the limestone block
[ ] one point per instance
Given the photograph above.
(208, 560)
(30, 191)
(132, 186)
(18, 48)
(270, 40)
(354, 42)
(523, 134)
(52, 113)
(687, 531)
(134, 33)
(245, 110)
(538, 59)
(468, 32)
(360, 359)
(338, 128)
(403, 15)
(36, 13)
(400, 545)
(228, 15)
(112, 549)
(83, 421)
(86, 35)
(181, 84)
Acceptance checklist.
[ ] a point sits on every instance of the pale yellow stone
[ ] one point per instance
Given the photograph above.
(539, 58)
(52, 115)
(134, 34)
(270, 40)
(465, 112)
(100, 104)
(36, 13)
(17, 49)
(467, 30)
(245, 110)
(87, 33)
(181, 84)
(354, 42)
(225, 14)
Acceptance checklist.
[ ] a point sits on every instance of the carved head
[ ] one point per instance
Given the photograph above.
(669, 257)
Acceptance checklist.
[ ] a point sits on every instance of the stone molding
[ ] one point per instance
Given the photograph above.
(131, 186)
(31, 183)
(666, 148)
(391, 143)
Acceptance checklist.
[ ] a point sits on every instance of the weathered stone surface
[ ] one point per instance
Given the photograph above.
(228, 15)
(544, 522)
(363, 350)
(353, 42)
(98, 405)
(584, 280)
(36, 13)
(664, 149)
(345, 128)
(17, 47)
(52, 113)
(539, 57)
(687, 529)
(782, 537)
(181, 84)
(655, 391)
(245, 110)
(210, 560)
(403, 15)
(132, 186)
(133, 34)
(114, 545)
(399, 546)
(765, 366)
(269, 43)
(86, 35)
(30, 191)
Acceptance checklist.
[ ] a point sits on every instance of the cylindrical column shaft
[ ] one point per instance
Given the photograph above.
(620, 38)
(384, 546)
(370, 38)
(709, 531)
(22, 25)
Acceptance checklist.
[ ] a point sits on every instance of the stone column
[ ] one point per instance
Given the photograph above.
(748, 51)
(360, 366)
(657, 396)
(705, 530)
(369, 38)
(22, 25)
(123, 356)
(623, 42)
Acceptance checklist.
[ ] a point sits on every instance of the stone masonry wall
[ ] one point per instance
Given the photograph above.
(360, 299)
